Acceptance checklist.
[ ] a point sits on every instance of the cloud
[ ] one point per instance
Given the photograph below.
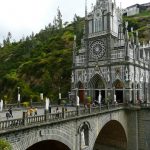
(21, 17)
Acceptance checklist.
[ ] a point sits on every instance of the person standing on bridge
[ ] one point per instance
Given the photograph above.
(57, 112)
(49, 108)
(35, 111)
(10, 111)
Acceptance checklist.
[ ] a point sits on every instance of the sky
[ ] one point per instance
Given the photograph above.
(22, 17)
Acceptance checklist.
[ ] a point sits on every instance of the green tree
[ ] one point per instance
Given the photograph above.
(59, 19)
(4, 145)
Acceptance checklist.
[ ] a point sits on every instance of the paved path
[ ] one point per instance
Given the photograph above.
(18, 113)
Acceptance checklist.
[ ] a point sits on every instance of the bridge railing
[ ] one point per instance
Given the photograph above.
(55, 116)
(70, 114)
(35, 119)
(48, 117)
(11, 124)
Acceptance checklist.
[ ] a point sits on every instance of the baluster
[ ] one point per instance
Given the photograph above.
(2, 125)
(7, 124)
(37, 119)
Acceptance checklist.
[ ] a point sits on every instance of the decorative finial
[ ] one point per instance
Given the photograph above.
(92, 7)
(85, 8)
(120, 5)
(126, 24)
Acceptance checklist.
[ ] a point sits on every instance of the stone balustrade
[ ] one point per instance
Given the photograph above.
(48, 117)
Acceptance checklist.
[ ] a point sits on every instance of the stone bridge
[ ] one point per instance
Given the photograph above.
(108, 128)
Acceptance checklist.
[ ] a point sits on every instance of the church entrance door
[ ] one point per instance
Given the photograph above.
(81, 92)
(119, 91)
(97, 84)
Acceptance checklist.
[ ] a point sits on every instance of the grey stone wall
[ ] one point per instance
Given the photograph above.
(66, 132)
(135, 122)
(144, 129)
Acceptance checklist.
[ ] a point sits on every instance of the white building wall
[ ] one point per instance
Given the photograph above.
(133, 11)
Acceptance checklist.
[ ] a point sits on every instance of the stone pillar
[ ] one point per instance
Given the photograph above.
(63, 112)
(132, 130)
(134, 93)
(128, 92)
(78, 110)
(24, 118)
(148, 93)
(141, 92)
(46, 115)
(145, 92)
(90, 109)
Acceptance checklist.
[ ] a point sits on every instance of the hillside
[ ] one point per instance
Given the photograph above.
(42, 63)
(140, 22)
(38, 64)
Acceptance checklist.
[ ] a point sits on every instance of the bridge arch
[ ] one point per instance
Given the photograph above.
(44, 135)
(112, 136)
(49, 144)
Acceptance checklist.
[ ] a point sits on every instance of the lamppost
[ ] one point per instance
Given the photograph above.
(59, 97)
(18, 96)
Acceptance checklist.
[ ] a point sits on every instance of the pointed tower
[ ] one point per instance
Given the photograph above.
(107, 62)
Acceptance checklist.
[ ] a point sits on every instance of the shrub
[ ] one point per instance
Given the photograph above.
(89, 99)
(25, 104)
(5, 145)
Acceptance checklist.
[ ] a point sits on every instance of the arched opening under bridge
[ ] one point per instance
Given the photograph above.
(48, 145)
(111, 137)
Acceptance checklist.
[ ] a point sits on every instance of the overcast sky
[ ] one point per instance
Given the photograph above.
(21, 17)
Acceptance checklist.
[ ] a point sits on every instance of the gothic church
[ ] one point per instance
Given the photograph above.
(109, 62)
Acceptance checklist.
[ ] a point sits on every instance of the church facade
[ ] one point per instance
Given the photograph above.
(110, 64)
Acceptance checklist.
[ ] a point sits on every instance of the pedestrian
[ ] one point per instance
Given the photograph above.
(35, 111)
(10, 111)
(7, 115)
(49, 108)
(31, 111)
(57, 112)
(65, 107)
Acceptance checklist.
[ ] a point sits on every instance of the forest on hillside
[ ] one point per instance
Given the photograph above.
(41, 63)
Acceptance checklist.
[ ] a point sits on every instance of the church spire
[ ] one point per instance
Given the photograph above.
(126, 39)
(137, 38)
(126, 32)
(85, 8)
(115, 2)
(132, 36)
